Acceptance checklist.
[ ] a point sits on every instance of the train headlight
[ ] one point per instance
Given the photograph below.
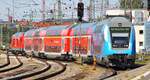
(126, 45)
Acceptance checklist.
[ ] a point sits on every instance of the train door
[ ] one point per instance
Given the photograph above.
(22, 42)
(42, 45)
(13, 43)
(84, 45)
(17, 43)
(28, 44)
(62, 45)
(35, 44)
(39, 44)
(81, 45)
(67, 45)
(75, 45)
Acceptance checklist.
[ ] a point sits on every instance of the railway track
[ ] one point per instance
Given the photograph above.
(7, 63)
(10, 65)
(43, 73)
(14, 67)
(110, 71)
(48, 72)
(86, 70)
(56, 69)
(113, 71)
(29, 72)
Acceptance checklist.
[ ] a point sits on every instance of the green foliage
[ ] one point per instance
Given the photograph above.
(8, 31)
(131, 4)
(144, 58)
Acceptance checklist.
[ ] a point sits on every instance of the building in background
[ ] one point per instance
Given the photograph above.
(139, 32)
(145, 4)
(139, 17)
(147, 36)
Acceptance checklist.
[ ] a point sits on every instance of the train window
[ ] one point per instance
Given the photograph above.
(120, 37)
(52, 48)
(140, 43)
(140, 31)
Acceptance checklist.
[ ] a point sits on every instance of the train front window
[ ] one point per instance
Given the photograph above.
(120, 37)
(120, 41)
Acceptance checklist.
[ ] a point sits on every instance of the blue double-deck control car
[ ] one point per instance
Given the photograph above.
(118, 43)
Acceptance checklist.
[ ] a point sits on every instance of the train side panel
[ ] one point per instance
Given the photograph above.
(52, 44)
(17, 43)
(28, 44)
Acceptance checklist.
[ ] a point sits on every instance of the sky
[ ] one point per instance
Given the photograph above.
(22, 8)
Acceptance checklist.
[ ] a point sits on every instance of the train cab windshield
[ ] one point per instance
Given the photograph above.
(120, 37)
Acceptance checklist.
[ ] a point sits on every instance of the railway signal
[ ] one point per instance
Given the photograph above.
(80, 10)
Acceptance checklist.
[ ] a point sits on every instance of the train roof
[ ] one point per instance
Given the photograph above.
(55, 30)
(46, 31)
(98, 27)
(86, 28)
(40, 32)
(30, 33)
(18, 34)
(83, 28)
(119, 22)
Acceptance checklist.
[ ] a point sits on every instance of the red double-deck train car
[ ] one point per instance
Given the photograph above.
(17, 42)
(50, 42)
(54, 43)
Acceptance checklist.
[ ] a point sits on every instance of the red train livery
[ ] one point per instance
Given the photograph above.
(17, 42)
(54, 42)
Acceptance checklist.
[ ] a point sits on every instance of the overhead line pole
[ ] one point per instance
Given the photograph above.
(59, 11)
(13, 2)
(94, 10)
(8, 15)
(43, 9)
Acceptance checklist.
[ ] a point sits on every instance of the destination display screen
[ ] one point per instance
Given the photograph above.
(120, 37)
(119, 29)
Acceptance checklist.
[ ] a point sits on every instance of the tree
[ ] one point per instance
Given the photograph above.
(131, 4)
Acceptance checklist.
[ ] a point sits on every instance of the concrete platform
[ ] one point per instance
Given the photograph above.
(141, 73)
